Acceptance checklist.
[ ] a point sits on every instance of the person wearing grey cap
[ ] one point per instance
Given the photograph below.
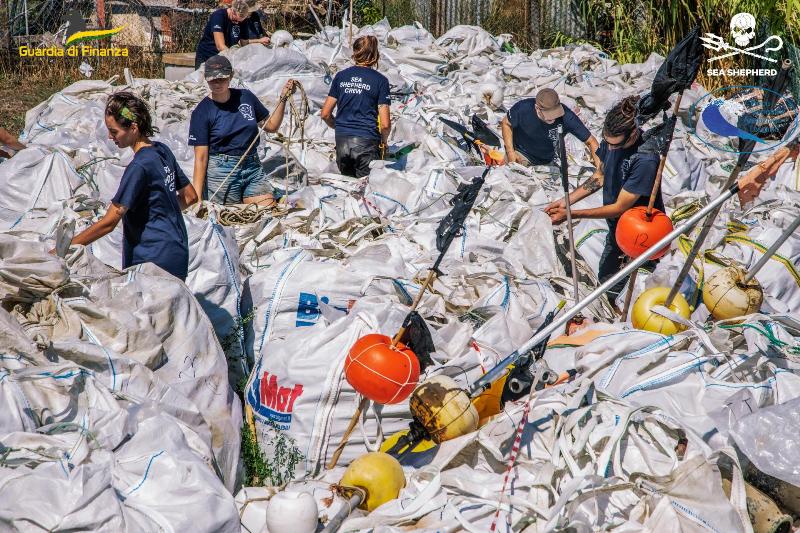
(530, 129)
(224, 130)
(238, 24)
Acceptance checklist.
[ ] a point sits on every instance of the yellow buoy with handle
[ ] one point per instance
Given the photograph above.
(643, 316)
(379, 475)
(727, 294)
(443, 408)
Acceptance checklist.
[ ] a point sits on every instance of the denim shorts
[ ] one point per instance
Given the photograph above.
(247, 180)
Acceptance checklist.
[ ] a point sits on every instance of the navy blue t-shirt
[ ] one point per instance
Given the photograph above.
(537, 140)
(227, 128)
(634, 174)
(249, 28)
(358, 92)
(152, 227)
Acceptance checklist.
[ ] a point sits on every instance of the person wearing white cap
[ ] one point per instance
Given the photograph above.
(238, 24)
(224, 130)
(530, 129)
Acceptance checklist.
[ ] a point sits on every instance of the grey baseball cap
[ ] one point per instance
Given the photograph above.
(218, 67)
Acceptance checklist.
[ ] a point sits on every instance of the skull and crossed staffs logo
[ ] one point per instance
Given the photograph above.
(743, 29)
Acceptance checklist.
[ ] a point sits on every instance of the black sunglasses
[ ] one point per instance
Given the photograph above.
(622, 142)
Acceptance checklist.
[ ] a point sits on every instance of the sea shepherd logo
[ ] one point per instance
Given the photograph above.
(272, 401)
(743, 31)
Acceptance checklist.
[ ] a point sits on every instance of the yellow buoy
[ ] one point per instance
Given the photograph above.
(644, 318)
(379, 475)
(488, 403)
(443, 408)
(421, 447)
(726, 294)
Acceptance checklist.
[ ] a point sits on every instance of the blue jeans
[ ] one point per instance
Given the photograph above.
(246, 181)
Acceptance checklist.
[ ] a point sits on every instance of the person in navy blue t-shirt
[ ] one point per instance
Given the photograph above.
(152, 193)
(626, 178)
(224, 132)
(360, 95)
(530, 129)
(238, 24)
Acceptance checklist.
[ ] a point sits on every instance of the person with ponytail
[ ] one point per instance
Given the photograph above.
(360, 95)
(626, 178)
(151, 195)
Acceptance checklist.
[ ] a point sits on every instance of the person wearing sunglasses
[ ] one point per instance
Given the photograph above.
(626, 178)
(530, 129)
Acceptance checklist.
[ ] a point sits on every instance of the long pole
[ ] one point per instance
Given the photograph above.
(772, 249)
(336, 522)
(492, 375)
(351, 24)
(779, 84)
(568, 207)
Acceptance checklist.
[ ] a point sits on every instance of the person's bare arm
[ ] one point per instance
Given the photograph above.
(9, 140)
(219, 41)
(327, 112)
(587, 188)
(752, 183)
(187, 196)
(260, 40)
(276, 117)
(102, 227)
(592, 145)
(200, 168)
(508, 140)
(625, 201)
(386, 122)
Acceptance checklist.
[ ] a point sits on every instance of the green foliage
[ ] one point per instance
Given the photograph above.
(260, 470)
(401, 12)
(231, 340)
(366, 12)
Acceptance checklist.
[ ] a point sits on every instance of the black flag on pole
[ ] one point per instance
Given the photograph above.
(676, 74)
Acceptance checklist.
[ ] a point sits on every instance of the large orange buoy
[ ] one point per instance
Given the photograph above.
(636, 232)
(381, 372)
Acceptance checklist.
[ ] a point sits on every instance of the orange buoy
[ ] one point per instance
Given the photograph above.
(636, 232)
(381, 372)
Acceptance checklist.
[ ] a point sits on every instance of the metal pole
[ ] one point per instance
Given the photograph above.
(492, 375)
(25, 7)
(351, 23)
(336, 522)
(565, 184)
(772, 249)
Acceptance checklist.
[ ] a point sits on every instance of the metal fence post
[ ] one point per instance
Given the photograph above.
(100, 6)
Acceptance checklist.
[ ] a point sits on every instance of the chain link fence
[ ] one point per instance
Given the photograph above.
(161, 26)
(155, 26)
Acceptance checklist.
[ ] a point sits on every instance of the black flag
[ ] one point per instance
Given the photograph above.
(676, 74)
(417, 337)
(451, 225)
(657, 139)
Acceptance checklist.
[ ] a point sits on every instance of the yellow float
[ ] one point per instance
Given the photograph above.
(727, 295)
(443, 408)
(379, 475)
(644, 318)
(489, 403)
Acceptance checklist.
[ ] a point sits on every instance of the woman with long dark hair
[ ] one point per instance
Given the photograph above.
(151, 195)
(360, 95)
(626, 178)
